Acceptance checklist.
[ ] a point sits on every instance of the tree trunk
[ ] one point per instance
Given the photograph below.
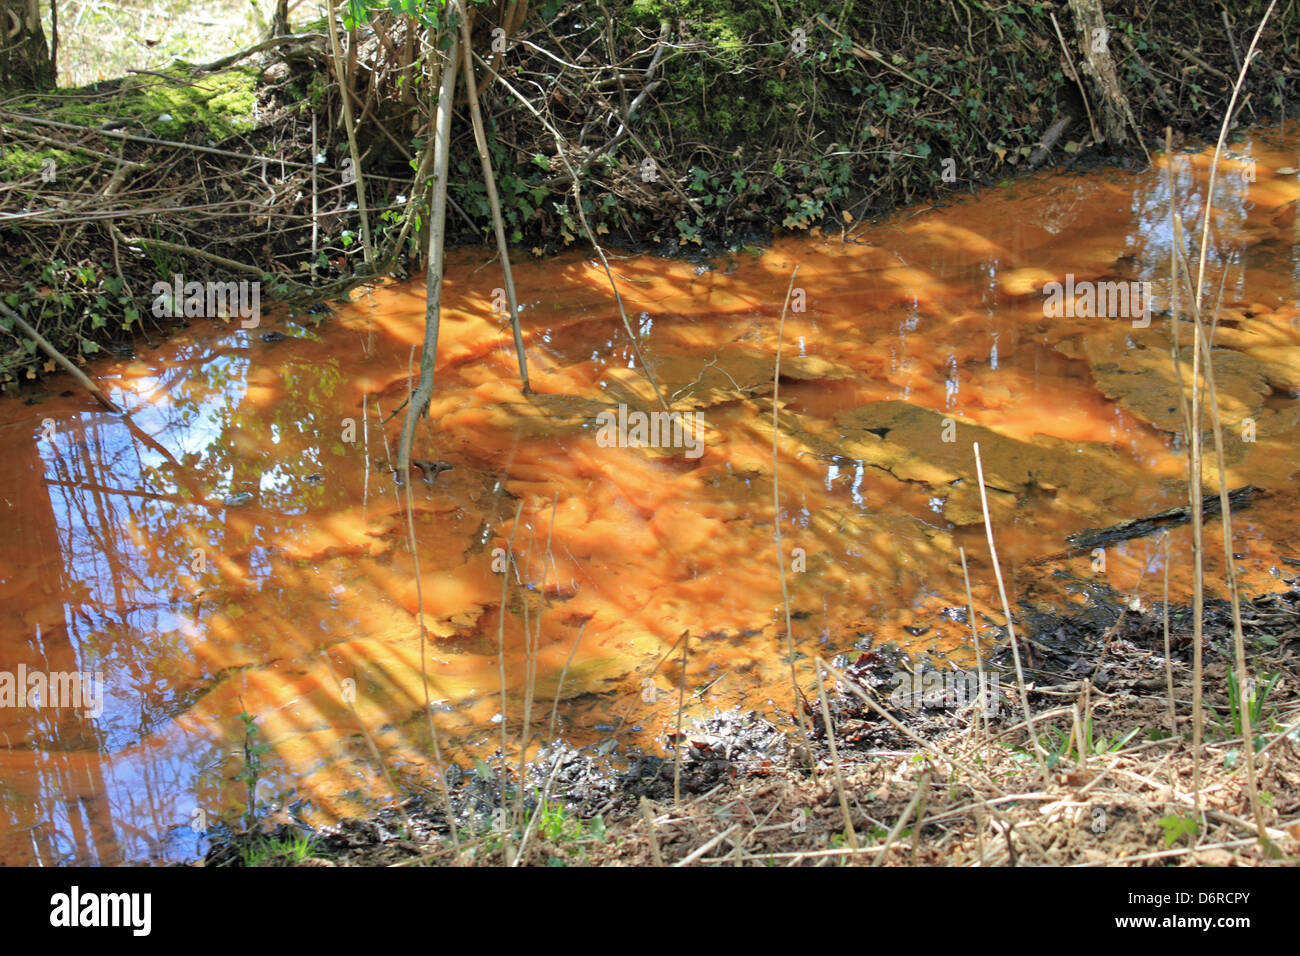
(280, 19)
(26, 62)
(418, 404)
(1094, 39)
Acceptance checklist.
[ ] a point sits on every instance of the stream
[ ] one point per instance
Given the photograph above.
(240, 545)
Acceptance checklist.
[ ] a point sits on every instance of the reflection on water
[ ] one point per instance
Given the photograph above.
(238, 545)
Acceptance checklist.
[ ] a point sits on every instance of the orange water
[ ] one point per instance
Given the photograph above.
(118, 555)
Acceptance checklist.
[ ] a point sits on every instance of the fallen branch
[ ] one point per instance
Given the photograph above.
(81, 377)
(1091, 538)
(150, 140)
(1049, 139)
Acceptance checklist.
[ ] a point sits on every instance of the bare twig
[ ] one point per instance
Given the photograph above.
(82, 378)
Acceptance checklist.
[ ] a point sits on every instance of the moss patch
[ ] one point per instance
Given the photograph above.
(219, 105)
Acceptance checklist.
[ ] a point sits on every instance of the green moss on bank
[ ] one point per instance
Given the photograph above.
(217, 106)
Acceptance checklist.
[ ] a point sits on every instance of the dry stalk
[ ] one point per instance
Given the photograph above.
(677, 740)
(776, 528)
(1006, 609)
(649, 816)
(921, 785)
(501, 641)
(1238, 639)
(555, 762)
(981, 720)
(849, 832)
(1169, 663)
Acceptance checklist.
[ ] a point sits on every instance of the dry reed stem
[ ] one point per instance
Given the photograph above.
(424, 669)
(1238, 637)
(776, 529)
(1193, 423)
(555, 763)
(1191, 428)
(982, 721)
(903, 817)
(315, 199)
(1169, 664)
(1006, 608)
(533, 640)
(838, 775)
(501, 645)
(650, 830)
(677, 740)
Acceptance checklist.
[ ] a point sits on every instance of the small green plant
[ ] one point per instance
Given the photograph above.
(1176, 826)
(567, 833)
(254, 768)
(1258, 697)
(291, 849)
(1108, 746)
(1255, 703)
(557, 826)
(1060, 745)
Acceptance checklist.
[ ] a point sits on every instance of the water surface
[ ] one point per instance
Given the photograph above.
(123, 550)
